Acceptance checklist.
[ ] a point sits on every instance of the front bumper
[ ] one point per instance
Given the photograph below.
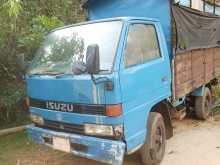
(106, 151)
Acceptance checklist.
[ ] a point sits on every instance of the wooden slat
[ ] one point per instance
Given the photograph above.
(183, 75)
(209, 64)
(194, 69)
(184, 88)
(217, 62)
(217, 53)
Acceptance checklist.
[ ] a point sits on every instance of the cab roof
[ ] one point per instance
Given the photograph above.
(124, 19)
(151, 10)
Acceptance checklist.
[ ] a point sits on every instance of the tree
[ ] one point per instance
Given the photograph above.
(24, 25)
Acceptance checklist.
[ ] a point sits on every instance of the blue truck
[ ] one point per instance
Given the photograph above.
(111, 86)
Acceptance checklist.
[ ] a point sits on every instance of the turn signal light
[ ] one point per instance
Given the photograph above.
(114, 110)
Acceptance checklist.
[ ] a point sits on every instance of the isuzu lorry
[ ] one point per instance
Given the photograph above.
(111, 86)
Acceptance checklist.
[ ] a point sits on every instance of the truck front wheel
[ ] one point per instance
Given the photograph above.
(203, 105)
(153, 150)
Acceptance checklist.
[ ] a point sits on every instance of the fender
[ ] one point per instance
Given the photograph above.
(164, 109)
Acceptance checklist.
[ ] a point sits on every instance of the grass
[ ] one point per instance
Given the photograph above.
(12, 145)
(17, 149)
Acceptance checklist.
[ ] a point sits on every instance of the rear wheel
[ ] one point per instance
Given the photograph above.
(153, 150)
(203, 105)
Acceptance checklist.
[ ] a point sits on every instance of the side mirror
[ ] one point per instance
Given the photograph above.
(93, 59)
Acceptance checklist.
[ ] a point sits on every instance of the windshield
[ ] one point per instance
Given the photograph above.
(65, 46)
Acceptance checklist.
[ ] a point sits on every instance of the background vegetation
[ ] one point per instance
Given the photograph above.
(23, 25)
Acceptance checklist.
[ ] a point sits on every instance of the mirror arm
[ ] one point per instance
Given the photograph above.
(93, 79)
(100, 79)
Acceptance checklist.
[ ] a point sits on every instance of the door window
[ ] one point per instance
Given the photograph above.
(142, 45)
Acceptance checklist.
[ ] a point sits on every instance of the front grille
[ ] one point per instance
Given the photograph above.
(69, 128)
(63, 127)
(73, 108)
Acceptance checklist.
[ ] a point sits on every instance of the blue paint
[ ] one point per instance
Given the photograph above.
(142, 88)
(199, 91)
(106, 151)
(73, 118)
(133, 87)
(137, 88)
(75, 89)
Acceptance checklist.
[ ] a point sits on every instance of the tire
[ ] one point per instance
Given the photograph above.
(203, 105)
(153, 150)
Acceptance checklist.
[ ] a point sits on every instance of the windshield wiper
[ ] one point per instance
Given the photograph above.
(62, 74)
(48, 73)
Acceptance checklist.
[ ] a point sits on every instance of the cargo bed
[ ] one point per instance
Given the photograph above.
(195, 68)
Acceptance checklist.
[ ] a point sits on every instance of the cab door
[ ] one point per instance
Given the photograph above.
(145, 77)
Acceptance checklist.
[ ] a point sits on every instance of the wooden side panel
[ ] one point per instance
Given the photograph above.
(198, 68)
(195, 68)
(209, 64)
(217, 62)
(183, 74)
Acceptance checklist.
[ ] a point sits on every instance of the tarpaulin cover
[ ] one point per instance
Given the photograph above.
(195, 29)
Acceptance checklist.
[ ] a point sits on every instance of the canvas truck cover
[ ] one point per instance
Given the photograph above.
(195, 30)
(158, 9)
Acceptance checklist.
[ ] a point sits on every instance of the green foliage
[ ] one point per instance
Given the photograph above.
(23, 25)
(12, 92)
(41, 25)
(13, 8)
(45, 24)
(60, 52)
(10, 109)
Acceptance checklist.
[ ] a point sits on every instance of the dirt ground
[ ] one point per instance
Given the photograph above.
(194, 143)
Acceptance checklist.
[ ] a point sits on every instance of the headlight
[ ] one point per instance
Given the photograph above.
(104, 130)
(37, 119)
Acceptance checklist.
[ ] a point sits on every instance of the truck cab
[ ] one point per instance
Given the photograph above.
(96, 89)
(106, 88)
